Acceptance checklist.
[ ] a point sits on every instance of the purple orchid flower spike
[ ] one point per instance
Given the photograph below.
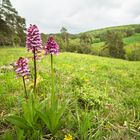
(33, 40)
(51, 47)
(34, 44)
(22, 70)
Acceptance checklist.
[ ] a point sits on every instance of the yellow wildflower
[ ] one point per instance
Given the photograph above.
(68, 137)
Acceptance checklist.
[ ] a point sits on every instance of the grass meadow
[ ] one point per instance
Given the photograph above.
(103, 94)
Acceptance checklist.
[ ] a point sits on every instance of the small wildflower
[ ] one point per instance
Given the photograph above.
(125, 124)
(68, 137)
(33, 40)
(21, 68)
(51, 46)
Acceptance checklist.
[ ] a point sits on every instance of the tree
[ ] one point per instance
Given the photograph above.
(137, 29)
(114, 42)
(64, 35)
(85, 39)
(44, 38)
(12, 26)
(85, 44)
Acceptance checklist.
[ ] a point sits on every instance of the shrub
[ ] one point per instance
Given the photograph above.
(129, 32)
(86, 49)
(133, 53)
(72, 47)
(104, 52)
(137, 29)
(96, 40)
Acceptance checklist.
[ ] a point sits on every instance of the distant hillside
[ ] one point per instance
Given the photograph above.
(131, 39)
(120, 28)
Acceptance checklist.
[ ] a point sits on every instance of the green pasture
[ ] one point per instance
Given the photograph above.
(108, 88)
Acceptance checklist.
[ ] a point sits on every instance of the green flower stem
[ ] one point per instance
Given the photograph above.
(26, 96)
(52, 77)
(35, 73)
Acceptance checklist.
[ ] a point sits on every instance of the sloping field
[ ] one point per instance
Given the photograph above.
(108, 87)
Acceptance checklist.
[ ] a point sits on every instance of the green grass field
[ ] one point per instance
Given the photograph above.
(132, 39)
(109, 88)
(127, 41)
(131, 43)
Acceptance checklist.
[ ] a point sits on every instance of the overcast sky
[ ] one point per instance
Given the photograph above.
(78, 15)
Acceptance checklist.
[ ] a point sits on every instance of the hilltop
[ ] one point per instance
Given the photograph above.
(122, 27)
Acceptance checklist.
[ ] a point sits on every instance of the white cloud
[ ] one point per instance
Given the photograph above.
(78, 15)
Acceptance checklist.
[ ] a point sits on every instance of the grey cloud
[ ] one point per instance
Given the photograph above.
(78, 15)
